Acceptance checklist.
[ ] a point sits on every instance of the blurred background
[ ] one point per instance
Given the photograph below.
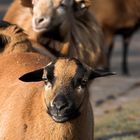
(116, 99)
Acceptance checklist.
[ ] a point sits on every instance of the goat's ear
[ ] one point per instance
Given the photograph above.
(33, 76)
(3, 40)
(26, 3)
(100, 73)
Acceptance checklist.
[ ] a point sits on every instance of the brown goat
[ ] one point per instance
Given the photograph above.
(118, 17)
(61, 110)
(64, 27)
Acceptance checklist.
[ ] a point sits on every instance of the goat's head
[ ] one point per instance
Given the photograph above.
(66, 82)
(51, 14)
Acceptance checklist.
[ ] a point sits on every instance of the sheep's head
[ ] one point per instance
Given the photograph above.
(51, 14)
(65, 82)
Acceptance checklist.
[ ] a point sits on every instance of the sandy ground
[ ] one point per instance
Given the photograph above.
(115, 87)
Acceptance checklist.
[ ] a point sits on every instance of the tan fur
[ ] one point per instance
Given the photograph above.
(113, 15)
(15, 40)
(69, 69)
(89, 44)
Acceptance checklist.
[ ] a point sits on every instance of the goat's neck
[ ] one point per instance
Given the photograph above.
(41, 126)
(83, 38)
(77, 129)
(74, 130)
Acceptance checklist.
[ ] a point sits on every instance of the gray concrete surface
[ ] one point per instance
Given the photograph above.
(115, 87)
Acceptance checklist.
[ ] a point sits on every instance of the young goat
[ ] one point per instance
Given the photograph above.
(65, 27)
(118, 17)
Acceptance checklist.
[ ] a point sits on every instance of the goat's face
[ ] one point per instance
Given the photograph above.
(51, 14)
(65, 87)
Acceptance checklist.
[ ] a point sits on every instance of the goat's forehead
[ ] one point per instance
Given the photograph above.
(65, 67)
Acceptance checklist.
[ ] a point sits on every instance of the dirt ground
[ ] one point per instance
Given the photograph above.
(115, 92)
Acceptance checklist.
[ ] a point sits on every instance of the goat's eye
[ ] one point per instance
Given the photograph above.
(61, 9)
(83, 83)
(48, 85)
(46, 81)
(62, 5)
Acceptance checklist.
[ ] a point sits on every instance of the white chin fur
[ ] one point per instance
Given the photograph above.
(39, 30)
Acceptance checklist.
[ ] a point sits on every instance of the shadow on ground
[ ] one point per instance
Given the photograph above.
(120, 135)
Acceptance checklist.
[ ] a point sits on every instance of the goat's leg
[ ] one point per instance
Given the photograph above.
(126, 41)
(109, 55)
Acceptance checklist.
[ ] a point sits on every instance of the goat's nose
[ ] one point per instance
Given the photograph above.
(39, 20)
(60, 103)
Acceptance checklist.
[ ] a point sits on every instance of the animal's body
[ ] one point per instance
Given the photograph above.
(118, 17)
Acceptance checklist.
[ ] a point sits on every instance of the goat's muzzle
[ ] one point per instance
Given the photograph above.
(62, 110)
(40, 24)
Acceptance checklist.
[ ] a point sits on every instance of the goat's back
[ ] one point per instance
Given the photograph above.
(16, 97)
(16, 64)
(117, 14)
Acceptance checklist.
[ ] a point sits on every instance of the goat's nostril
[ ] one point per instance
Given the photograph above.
(60, 105)
(39, 20)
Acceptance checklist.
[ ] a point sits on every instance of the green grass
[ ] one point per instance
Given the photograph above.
(123, 124)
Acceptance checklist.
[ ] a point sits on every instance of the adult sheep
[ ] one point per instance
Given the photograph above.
(57, 108)
(64, 27)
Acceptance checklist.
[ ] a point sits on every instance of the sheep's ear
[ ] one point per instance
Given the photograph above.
(33, 76)
(100, 73)
(26, 3)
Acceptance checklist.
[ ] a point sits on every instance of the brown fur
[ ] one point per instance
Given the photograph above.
(85, 31)
(13, 39)
(118, 17)
(113, 15)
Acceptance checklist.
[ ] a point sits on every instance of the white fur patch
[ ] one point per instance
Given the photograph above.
(48, 86)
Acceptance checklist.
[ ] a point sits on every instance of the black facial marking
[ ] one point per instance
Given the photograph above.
(4, 40)
(79, 75)
(50, 73)
(4, 24)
